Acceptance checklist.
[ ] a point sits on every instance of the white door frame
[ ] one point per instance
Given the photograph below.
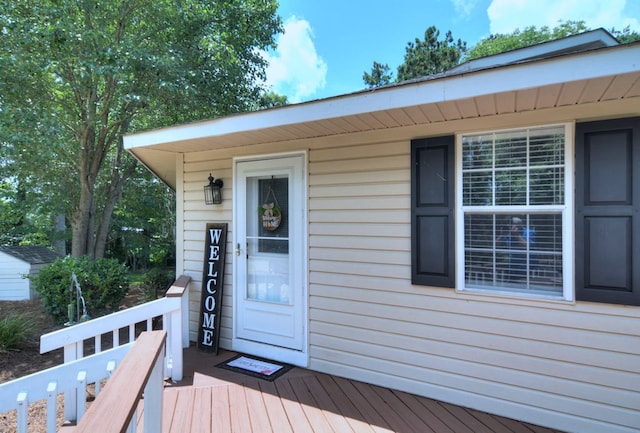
(295, 357)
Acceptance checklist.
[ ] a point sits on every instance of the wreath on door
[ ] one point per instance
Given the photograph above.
(270, 212)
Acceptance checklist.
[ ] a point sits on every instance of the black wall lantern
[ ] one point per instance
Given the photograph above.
(213, 191)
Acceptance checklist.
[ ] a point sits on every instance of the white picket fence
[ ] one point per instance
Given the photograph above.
(173, 309)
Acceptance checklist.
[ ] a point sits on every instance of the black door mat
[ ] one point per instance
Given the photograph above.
(256, 367)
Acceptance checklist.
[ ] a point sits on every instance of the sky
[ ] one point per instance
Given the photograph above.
(327, 45)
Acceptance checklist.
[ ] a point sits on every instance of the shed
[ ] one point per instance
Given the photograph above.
(17, 265)
(472, 237)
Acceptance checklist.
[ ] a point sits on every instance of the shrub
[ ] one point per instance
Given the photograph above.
(104, 284)
(155, 282)
(15, 329)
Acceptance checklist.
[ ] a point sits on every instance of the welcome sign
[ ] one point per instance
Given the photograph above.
(212, 281)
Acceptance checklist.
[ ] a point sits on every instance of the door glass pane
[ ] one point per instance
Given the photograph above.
(268, 240)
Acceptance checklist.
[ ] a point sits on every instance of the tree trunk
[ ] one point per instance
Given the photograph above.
(81, 227)
(59, 242)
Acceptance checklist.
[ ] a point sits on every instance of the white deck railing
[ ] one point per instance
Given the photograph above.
(115, 409)
(173, 309)
(72, 377)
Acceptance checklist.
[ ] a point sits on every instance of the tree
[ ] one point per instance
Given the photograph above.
(422, 58)
(625, 36)
(141, 236)
(500, 43)
(430, 56)
(380, 75)
(76, 76)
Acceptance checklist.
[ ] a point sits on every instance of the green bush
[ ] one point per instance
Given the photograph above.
(155, 283)
(15, 329)
(104, 284)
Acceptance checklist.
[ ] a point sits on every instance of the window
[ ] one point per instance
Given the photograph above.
(513, 189)
(508, 225)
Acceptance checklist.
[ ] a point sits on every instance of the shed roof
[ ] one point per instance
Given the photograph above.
(578, 70)
(31, 254)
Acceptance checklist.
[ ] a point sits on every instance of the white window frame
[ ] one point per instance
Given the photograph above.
(567, 211)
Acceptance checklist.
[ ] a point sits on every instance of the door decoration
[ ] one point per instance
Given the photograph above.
(270, 212)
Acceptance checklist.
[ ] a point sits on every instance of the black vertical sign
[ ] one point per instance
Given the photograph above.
(212, 280)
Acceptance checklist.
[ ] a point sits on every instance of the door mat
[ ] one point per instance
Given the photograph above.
(256, 367)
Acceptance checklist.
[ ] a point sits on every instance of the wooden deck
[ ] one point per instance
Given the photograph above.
(211, 399)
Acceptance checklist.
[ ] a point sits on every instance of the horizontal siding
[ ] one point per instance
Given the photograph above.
(573, 366)
(13, 287)
(367, 320)
(196, 215)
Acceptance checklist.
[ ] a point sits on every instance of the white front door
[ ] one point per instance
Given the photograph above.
(270, 258)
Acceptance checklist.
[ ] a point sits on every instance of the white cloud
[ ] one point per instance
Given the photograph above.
(464, 8)
(295, 69)
(505, 16)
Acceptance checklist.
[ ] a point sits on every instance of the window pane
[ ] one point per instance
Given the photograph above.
(546, 147)
(511, 149)
(477, 151)
(478, 188)
(521, 253)
(479, 231)
(511, 187)
(547, 186)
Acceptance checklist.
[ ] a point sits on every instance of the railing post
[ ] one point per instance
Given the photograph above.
(178, 326)
(23, 409)
(185, 317)
(153, 396)
(180, 288)
(81, 393)
(175, 341)
(71, 353)
(51, 405)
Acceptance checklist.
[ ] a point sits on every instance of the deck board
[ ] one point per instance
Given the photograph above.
(422, 410)
(202, 410)
(345, 406)
(258, 411)
(467, 418)
(293, 408)
(239, 410)
(366, 410)
(302, 401)
(275, 408)
(338, 423)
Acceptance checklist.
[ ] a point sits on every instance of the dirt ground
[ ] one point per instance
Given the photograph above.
(27, 359)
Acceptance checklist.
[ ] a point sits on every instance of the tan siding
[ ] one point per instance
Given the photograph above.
(196, 216)
(368, 321)
(543, 361)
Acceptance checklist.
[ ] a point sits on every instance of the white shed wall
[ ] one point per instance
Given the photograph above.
(571, 366)
(13, 285)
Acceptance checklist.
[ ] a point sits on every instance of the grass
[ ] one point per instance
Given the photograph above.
(15, 329)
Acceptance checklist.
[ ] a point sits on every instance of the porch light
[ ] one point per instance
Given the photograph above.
(213, 191)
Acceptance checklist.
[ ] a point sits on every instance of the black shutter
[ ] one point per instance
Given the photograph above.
(608, 211)
(432, 211)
